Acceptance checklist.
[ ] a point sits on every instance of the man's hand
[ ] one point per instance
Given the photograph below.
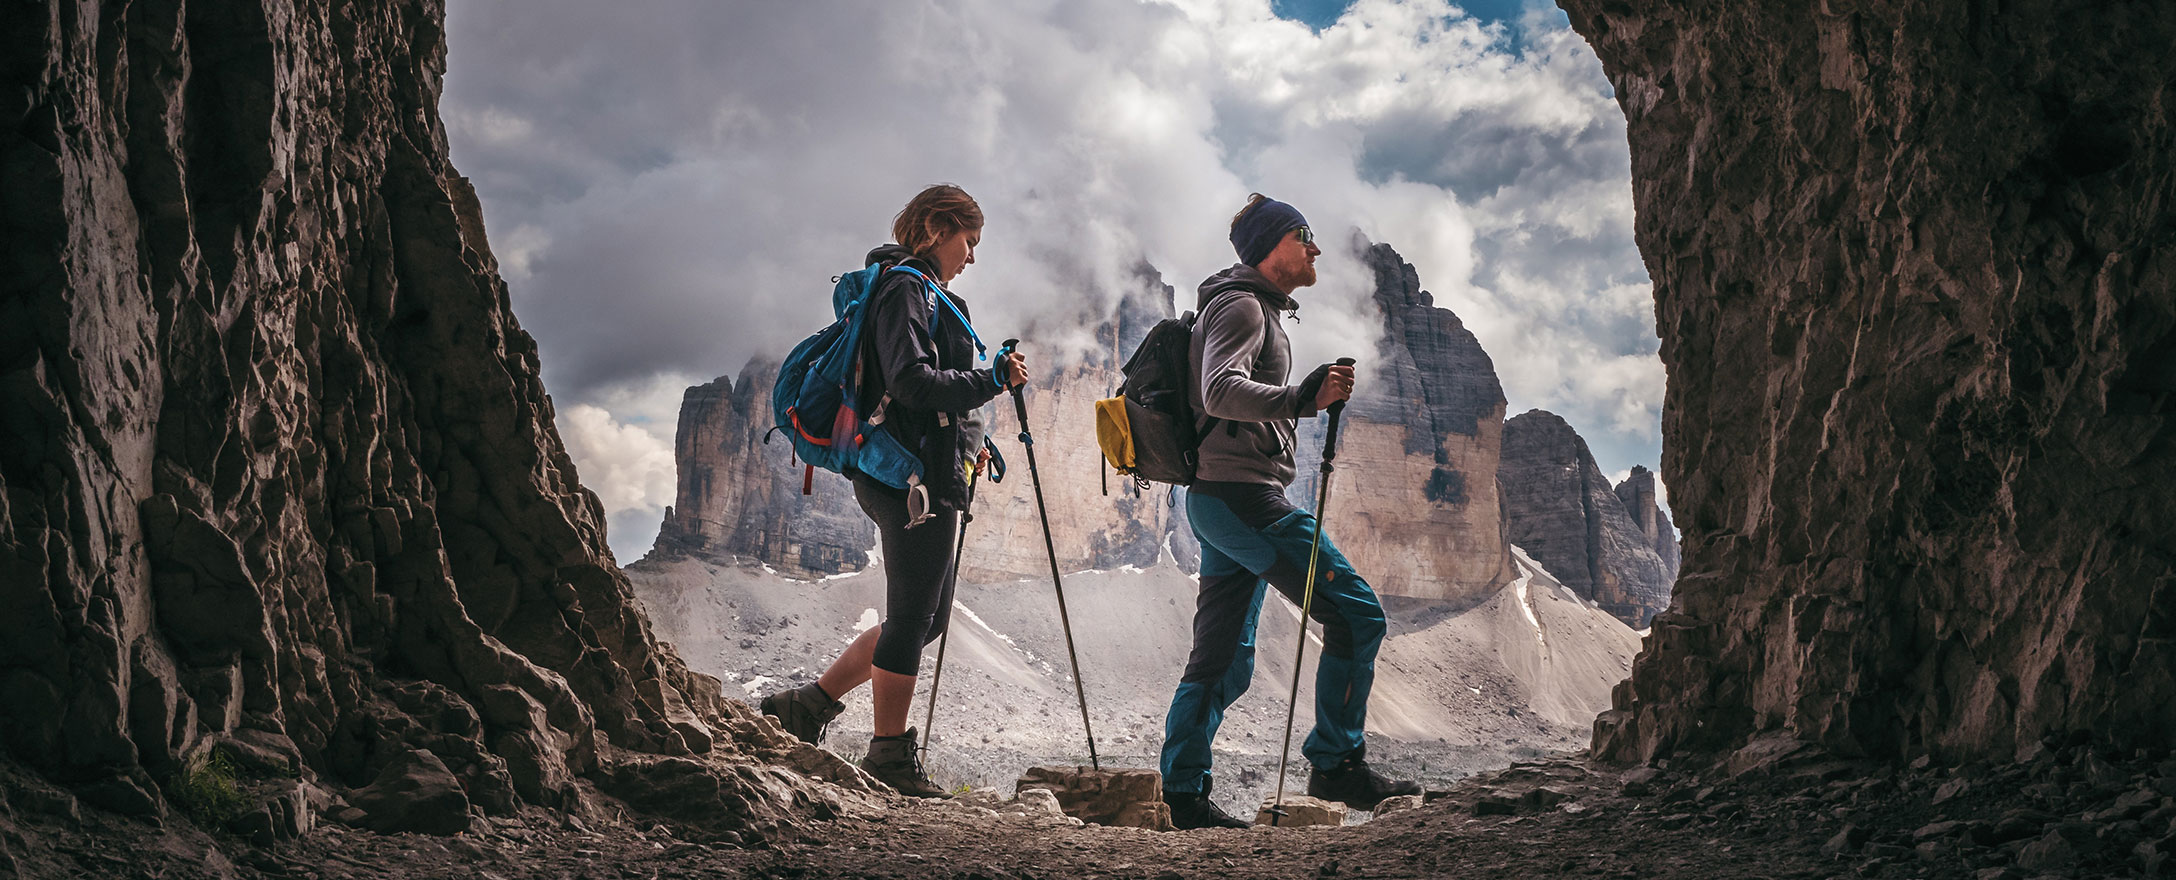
(1015, 368)
(1336, 385)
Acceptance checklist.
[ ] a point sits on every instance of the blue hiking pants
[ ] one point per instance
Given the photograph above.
(1238, 562)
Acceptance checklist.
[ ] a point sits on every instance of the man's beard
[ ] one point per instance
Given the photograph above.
(1295, 277)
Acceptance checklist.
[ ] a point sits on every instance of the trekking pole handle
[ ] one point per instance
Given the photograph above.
(1019, 403)
(1329, 440)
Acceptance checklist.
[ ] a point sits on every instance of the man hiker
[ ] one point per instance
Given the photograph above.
(1251, 534)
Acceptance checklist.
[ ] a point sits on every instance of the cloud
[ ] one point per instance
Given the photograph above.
(628, 467)
(679, 181)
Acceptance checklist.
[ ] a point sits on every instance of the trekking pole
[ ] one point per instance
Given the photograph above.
(1035, 476)
(929, 719)
(997, 475)
(1307, 597)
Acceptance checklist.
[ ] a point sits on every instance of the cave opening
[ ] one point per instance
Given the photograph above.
(301, 577)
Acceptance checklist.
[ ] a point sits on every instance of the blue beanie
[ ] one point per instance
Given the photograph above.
(1259, 229)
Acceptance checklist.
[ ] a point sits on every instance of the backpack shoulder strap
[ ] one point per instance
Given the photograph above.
(938, 294)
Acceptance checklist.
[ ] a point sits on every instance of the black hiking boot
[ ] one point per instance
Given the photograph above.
(893, 761)
(1194, 809)
(803, 711)
(1355, 784)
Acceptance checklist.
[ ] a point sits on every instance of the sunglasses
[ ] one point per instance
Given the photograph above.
(1306, 235)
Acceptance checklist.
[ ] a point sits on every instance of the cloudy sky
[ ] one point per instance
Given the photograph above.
(671, 185)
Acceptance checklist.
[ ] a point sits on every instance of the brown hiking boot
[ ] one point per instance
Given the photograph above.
(803, 711)
(893, 761)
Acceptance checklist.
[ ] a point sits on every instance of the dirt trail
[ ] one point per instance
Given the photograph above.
(1777, 809)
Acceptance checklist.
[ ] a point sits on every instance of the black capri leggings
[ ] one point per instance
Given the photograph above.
(918, 575)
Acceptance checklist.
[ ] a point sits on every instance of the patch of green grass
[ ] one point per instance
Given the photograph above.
(205, 790)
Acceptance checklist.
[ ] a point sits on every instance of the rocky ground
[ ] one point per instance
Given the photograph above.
(1771, 811)
(1459, 690)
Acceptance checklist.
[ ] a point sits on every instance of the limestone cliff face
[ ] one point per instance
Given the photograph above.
(1416, 505)
(1564, 513)
(731, 482)
(1637, 492)
(280, 478)
(1914, 282)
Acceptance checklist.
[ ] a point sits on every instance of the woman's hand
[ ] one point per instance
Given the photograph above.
(1015, 369)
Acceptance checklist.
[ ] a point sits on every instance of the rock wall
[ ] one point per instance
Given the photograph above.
(1638, 494)
(280, 478)
(1563, 512)
(1416, 504)
(1915, 279)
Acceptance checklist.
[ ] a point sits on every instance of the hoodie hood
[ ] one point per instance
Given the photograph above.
(1243, 276)
(892, 253)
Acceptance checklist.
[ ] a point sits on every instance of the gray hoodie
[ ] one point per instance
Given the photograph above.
(1241, 360)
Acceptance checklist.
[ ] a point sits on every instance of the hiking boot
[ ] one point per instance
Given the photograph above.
(894, 762)
(803, 711)
(1194, 809)
(1355, 784)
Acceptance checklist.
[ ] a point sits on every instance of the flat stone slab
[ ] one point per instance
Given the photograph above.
(1301, 811)
(1040, 800)
(1129, 798)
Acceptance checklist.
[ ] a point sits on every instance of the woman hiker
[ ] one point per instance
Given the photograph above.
(924, 359)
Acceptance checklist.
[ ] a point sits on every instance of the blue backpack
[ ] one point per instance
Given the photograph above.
(819, 387)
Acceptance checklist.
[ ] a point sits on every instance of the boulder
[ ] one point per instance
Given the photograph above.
(1300, 811)
(1152, 815)
(413, 793)
(739, 797)
(285, 810)
(130, 793)
(1040, 801)
(1104, 797)
(1495, 803)
(2051, 852)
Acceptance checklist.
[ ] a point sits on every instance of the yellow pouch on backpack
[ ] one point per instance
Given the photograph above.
(1114, 433)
